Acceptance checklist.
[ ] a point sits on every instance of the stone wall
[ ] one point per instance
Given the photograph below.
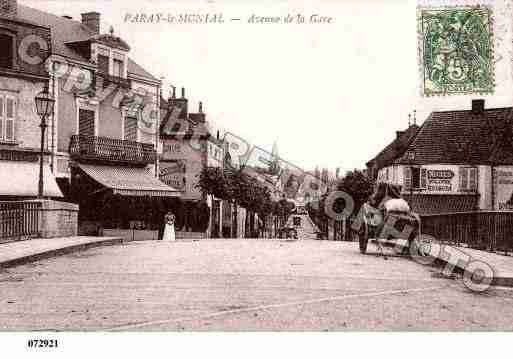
(58, 219)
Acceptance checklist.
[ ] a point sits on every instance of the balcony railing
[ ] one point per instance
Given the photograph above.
(102, 149)
(108, 79)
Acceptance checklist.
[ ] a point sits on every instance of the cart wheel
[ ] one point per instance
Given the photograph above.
(363, 238)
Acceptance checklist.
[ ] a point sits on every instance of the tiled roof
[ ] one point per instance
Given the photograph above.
(138, 70)
(63, 30)
(465, 137)
(396, 148)
(425, 204)
(67, 31)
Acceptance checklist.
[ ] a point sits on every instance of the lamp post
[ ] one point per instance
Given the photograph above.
(44, 106)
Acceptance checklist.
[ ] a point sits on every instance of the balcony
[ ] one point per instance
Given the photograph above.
(107, 79)
(108, 150)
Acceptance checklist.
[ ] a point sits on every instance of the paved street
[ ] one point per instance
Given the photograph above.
(241, 285)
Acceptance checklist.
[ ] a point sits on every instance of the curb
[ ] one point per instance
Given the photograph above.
(59, 252)
(459, 267)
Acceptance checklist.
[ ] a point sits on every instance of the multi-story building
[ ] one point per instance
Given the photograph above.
(104, 134)
(24, 45)
(187, 147)
(458, 161)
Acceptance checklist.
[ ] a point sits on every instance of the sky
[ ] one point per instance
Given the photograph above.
(331, 95)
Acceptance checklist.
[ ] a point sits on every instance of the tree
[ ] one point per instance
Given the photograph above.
(213, 181)
(358, 186)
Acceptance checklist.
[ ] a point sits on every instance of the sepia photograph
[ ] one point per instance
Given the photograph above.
(257, 167)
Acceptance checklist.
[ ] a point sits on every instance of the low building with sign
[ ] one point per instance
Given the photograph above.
(383, 165)
(458, 161)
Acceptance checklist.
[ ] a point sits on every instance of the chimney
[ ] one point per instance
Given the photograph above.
(398, 134)
(9, 8)
(182, 103)
(478, 106)
(200, 107)
(92, 21)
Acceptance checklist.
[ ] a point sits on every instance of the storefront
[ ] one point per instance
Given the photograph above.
(119, 200)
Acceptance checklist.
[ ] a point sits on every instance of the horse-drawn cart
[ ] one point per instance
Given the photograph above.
(386, 217)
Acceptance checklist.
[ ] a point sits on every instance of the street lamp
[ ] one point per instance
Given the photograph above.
(44, 106)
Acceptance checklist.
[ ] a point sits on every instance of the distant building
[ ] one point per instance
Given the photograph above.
(186, 148)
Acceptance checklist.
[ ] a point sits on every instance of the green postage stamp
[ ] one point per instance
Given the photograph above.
(456, 50)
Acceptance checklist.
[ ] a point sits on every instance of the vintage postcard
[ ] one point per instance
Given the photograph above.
(279, 166)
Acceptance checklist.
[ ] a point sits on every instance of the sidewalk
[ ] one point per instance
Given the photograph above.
(461, 257)
(16, 253)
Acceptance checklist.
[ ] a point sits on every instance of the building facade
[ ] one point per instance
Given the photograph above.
(186, 147)
(24, 45)
(103, 136)
(458, 161)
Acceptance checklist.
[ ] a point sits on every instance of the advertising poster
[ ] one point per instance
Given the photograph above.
(503, 188)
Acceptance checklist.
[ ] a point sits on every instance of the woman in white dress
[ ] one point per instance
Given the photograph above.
(169, 229)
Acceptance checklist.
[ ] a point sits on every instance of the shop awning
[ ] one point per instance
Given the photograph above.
(129, 181)
(21, 179)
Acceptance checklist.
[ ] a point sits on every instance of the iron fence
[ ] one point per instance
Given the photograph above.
(19, 220)
(488, 230)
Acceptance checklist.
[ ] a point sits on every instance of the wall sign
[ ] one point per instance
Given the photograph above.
(504, 189)
(173, 174)
(439, 180)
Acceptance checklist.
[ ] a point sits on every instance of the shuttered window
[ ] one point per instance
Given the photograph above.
(468, 179)
(117, 68)
(423, 178)
(463, 178)
(130, 128)
(7, 117)
(407, 178)
(415, 177)
(473, 179)
(86, 123)
(103, 64)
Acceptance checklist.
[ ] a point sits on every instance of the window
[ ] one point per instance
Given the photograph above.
(86, 123)
(118, 68)
(130, 128)
(7, 116)
(103, 64)
(7, 53)
(111, 62)
(468, 179)
(415, 178)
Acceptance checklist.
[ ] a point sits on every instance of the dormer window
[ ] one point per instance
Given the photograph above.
(103, 64)
(111, 62)
(118, 68)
